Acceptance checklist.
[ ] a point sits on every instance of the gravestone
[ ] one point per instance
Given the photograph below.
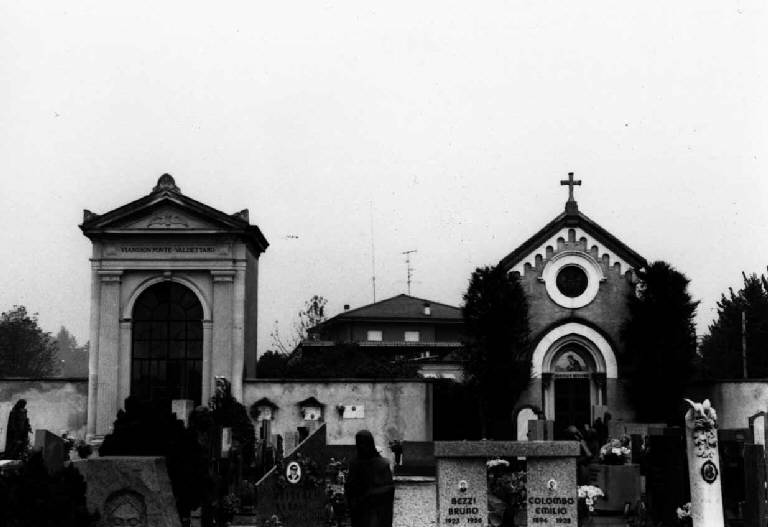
(755, 492)
(462, 494)
(758, 424)
(182, 408)
(51, 447)
(541, 430)
(704, 465)
(133, 490)
(666, 483)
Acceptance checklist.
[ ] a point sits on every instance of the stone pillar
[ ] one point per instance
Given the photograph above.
(108, 352)
(223, 304)
(93, 355)
(126, 344)
(207, 360)
(704, 465)
(238, 335)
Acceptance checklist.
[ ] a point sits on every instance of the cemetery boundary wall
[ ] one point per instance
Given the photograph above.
(734, 399)
(53, 404)
(389, 408)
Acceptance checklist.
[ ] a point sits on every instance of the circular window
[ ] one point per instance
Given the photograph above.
(572, 281)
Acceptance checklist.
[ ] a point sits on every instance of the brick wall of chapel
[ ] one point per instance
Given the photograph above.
(607, 312)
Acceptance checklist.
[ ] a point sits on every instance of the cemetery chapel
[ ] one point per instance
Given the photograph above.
(577, 277)
(174, 305)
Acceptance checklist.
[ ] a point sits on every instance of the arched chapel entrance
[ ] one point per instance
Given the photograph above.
(573, 362)
(167, 344)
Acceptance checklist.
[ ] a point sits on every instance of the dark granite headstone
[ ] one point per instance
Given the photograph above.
(755, 493)
(132, 490)
(667, 485)
(52, 448)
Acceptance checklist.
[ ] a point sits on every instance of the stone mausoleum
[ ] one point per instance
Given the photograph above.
(173, 301)
(577, 277)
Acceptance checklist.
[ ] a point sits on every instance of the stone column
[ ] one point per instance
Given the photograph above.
(126, 350)
(108, 354)
(223, 304)
(704, 465)
(93, 355)
(238, 335)
(207, 361)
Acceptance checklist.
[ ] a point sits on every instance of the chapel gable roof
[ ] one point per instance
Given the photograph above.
(166, 209)
(572, 218)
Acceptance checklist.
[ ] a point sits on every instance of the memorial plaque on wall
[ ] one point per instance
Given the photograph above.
(552, 492)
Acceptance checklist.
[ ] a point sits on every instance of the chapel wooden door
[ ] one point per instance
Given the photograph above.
(572, 403)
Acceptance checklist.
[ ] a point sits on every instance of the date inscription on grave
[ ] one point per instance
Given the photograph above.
(552, 510)
(464, 510)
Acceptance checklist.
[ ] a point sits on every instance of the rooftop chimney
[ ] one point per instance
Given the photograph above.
(427, 308)
(346, 307)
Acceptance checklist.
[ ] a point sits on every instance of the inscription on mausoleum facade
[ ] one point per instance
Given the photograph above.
(169, 249)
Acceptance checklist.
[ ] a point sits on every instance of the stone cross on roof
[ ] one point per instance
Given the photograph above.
(570, 182)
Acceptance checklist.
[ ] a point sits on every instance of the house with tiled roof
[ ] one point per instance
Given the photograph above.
(402, 327)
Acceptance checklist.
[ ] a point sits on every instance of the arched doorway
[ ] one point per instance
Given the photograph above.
(167, 344)
(574, 363)
(572, 368)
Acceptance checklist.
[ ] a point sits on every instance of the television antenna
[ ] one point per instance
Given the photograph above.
(409, 267)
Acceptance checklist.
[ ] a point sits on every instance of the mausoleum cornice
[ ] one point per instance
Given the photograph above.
(167, 211)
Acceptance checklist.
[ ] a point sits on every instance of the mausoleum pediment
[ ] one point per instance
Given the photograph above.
(168, 217)
(166, 209)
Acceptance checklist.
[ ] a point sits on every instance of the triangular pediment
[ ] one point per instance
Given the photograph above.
(571, 231)
(167, 209)
(167, 216)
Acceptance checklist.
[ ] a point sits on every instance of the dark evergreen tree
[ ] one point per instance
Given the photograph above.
(272, 364)
(659, 343)
(33, 497)
(25, 349)
(345, 360)
(721, 348)
(73, 359)
(497, 349)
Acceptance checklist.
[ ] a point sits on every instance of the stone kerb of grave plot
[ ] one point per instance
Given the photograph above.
(462, 481)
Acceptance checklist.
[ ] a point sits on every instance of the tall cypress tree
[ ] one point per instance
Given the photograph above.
(721, 348)
(659, 343)
(498, 351)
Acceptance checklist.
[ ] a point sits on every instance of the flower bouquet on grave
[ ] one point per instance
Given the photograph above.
(684, 515)
(615, 452)
(587, 495)
(508, 486)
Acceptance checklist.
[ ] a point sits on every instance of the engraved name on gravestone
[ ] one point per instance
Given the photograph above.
(462, 484)
(463, 492)
(552, 491)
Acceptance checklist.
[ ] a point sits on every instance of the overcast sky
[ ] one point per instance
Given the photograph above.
(455, 120)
